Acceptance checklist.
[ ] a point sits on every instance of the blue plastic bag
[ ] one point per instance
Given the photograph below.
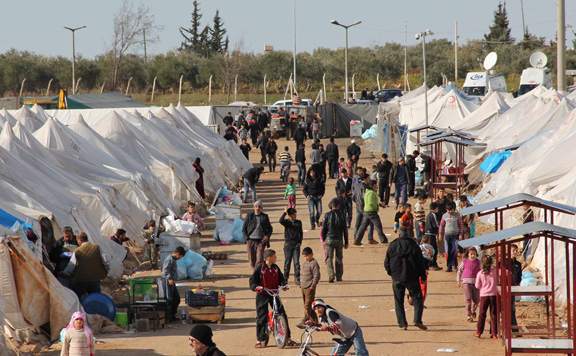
(191, 266)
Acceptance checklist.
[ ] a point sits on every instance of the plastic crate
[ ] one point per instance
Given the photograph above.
(203, 298)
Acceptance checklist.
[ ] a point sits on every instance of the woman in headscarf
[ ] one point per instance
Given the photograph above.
(200, 181)
(78, 337)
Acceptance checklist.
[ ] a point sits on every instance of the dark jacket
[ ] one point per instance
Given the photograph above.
(400, 174)
(300, 135)
(271, 148)
(293, 233)
(384, 170)
(260, 277)
(411, 164)
(314, 187)
(56, 257)
(342, 187)
(300, 156)
(213, 351)
(332, 151)
(262, 143)
(516, 272)
(353, 150)
(90, 265)
(432, 224)
(404, 261)
(334, 227)
(252, 175)
(250, 225)
(228, 120)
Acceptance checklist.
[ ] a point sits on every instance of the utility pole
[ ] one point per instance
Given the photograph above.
(346, 27)
(523, 19)
(73, 30)
(405, 56)
(294, 52)
(456, 53)
(561, 46)
(145, 47)
(422, 36)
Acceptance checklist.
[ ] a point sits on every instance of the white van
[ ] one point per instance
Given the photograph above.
(303, 102)
(479, 83)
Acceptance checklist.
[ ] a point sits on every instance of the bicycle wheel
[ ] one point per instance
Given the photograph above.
(280, 331)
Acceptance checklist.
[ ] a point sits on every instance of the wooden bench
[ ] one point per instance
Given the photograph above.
(560, 346)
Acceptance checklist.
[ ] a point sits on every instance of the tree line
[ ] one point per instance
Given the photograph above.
(205, 52)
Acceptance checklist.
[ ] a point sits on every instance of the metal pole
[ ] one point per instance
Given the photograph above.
(324, 85)
(346, 68)
(456, 53)
(236, 87)
(294, 53)
(265, 99)
(180, 89)
(77, 85)
(145, 47)
(73, 62)
(523, 19)
(405, 56)
(128, 88)
(210, 90)
(561, 46)
(49, 85)
(378, 82)
(425, 79)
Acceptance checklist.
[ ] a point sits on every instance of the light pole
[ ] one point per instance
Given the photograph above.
(73, 30)
(346, 27)
(422, 36)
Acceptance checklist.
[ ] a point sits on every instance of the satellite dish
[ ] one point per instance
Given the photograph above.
(538, 60)
(490, 60)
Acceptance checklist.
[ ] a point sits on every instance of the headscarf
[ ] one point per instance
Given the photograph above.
(87, 330)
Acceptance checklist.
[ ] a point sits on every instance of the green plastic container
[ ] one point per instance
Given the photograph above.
(143, 288)
(121, 319)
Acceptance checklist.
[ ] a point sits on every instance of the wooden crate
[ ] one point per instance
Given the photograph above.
(206, 314)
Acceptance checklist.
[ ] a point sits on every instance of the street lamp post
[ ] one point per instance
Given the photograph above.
(73, 30)
(422, 36)
(346, 27)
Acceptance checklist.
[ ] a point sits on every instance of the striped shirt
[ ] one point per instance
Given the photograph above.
(285, 157)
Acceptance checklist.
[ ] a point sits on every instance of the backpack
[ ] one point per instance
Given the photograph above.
(451, 228)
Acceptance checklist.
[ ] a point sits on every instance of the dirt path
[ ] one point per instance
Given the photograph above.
(365, 284)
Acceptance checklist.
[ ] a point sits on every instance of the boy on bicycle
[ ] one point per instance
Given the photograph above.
(267, 276)
(347, 330)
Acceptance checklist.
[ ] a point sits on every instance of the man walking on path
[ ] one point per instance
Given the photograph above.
(370, 217)
(257, 231)
(335, 236)
(314, 189)
(301, 163)
(406, 265)
(262, 144)
(251, 177)
(293, 235)
(411, 165)
(344, 193)
(332, 156)
(401, 179)
(271, 149)
(384, 170)
(353, 151)
(299, 135)
(358, 190)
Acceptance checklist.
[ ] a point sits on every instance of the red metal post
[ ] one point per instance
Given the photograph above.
(568, 279)
(553, 296)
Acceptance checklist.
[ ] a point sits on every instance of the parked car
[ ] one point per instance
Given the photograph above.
(386, 95)
(303, 102)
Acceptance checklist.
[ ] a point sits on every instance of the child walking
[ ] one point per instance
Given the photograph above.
(397, 216)
(466, 278)
(78, 338)
(290, 193)
(487, 285)
(310, 277)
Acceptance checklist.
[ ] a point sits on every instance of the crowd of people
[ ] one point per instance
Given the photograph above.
(433, 225)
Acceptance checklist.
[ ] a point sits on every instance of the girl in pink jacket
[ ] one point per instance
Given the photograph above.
(487, 284)
(466, 277)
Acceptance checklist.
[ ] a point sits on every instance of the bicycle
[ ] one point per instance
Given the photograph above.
(277, 322)
(306, 342)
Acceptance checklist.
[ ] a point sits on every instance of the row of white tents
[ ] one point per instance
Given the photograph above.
(98, 170)
(539, 127)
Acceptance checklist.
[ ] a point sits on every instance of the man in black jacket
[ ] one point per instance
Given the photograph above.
(293, 235)
(332, 155)
(299, 135)
(251, 177)
(314, 189)
(344, 192)
(263, 145)
(300, 159)
(406, 265)
(411, 165)
(228, 119)
(257, 231)
(384, 170)
(335, 237)
(201, 341)
(353, 151)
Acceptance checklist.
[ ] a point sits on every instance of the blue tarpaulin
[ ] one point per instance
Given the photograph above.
(8, 220)
(494, 161)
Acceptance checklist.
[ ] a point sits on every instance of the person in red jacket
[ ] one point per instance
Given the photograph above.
(267, 275)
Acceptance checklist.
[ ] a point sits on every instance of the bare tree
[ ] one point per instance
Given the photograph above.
(133, 28)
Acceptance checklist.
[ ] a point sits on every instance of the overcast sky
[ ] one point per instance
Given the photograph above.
(38, 25)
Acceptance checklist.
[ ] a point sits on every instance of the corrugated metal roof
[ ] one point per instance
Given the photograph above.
(424, 127)
(453, 139)
(515, 199)
(517, 231)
